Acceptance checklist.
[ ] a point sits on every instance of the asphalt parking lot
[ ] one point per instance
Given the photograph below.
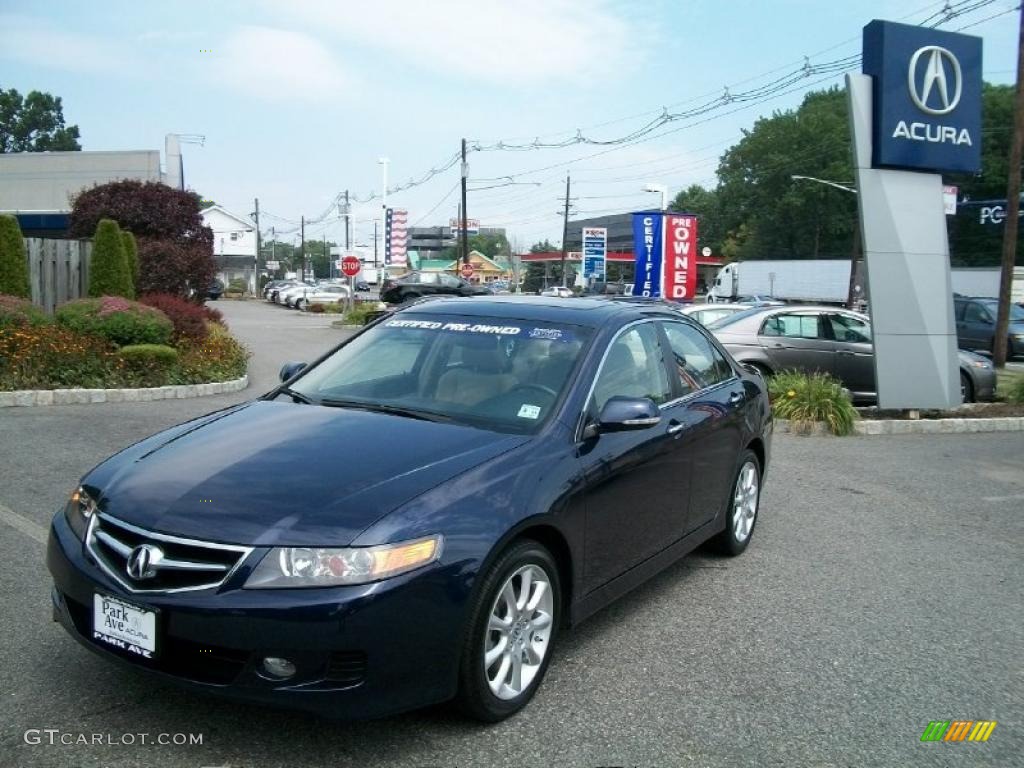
(883, 590)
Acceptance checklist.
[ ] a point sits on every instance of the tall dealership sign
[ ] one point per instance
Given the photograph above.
(665, 245)
(915, 112)
(396, 238)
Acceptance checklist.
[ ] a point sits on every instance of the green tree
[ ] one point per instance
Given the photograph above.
(108, 272)
(543, 246)
(13, 265)
(131, 255)
(34, 123)
(704, 203)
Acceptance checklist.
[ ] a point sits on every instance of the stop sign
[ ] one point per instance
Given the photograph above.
(350, 266)
(466, 270)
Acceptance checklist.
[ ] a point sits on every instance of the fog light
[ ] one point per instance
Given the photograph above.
(278, 668)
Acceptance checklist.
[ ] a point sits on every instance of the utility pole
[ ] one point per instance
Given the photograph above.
(327, 254)
(565, 229)
(375, 247)
(464, 221)
(302, 249)
(348, 223)
(256, 259)
(999, 344)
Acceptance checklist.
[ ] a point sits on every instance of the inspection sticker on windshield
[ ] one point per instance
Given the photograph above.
(124, 626)
(529, 411)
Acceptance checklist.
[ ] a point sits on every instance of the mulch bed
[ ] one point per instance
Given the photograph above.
(970, 411)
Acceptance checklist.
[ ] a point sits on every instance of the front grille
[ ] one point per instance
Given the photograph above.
(211, 664)
(347, 668)
(170, 563)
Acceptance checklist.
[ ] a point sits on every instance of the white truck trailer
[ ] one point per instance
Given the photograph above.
(805, 280)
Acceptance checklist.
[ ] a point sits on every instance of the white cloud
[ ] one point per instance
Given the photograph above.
(35, 41)
(277, 64)
(499, 41)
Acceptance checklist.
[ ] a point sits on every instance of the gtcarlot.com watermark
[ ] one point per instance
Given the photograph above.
(55, 737)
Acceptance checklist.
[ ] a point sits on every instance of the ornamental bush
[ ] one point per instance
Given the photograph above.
(108, 271)
(189, 319)
(147, 365)
(116, 319)
(51, 356)
(131, 255)
(13, 264)
(15, 311)
(169, 267)
(219, 358)
(807, 398)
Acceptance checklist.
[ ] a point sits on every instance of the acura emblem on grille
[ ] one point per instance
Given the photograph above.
(144, 561)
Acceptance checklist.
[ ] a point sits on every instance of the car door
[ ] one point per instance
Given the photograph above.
(977, 326)
(711, 410)
(797, 341)
(635, 482)
(855, 356)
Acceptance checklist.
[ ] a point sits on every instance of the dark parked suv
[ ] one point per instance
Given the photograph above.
(417, 284)
(976, 325)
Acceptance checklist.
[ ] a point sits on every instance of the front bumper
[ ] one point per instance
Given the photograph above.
(359, 651)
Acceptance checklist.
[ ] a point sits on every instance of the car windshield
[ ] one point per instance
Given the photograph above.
(493, 373)
(735, 317)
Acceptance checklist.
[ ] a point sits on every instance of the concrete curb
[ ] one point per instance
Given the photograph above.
(29, 397)
(916, 426)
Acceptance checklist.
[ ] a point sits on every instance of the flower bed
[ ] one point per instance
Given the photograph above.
(111, 343)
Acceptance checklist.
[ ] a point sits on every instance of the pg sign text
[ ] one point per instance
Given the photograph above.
(927, 97)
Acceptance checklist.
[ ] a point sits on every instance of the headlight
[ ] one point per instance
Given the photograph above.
(287, 567)
(79, 511)
(981, 363)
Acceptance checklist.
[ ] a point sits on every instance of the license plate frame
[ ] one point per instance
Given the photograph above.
(125, 626)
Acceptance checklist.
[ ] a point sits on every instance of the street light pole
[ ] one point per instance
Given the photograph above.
(663, 190)
(383, 161)
(256, 259)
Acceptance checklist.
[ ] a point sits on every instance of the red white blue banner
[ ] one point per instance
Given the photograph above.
(665, 248)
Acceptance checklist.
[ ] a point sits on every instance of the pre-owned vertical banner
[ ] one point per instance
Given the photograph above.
(680, 260)
(648, 245)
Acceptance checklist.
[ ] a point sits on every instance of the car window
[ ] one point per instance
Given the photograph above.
(977, 313)
(428, 278)
(958, 308)
(633, 367)
(708, 316)
(850, 329)
(450, 282)
(793, 326)
(698, 362)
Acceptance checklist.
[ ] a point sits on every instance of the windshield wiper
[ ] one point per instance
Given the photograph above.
(294, 395)
(395, 410)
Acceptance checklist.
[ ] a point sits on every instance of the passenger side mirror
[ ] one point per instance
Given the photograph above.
(622, 414)
(290, 369)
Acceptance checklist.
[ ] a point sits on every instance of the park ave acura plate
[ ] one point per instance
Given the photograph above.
(124, 626)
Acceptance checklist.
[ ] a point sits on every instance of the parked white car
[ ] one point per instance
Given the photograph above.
(292, 291)
(322, 294)
(560, 291)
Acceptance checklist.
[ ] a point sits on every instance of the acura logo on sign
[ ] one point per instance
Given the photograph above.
(143, 561)
(930, 83)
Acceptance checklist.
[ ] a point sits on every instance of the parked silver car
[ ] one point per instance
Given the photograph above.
(327, 293)
(827, 339)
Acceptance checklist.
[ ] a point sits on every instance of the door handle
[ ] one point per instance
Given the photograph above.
(846, 352)
(675, 427)
(778, 345)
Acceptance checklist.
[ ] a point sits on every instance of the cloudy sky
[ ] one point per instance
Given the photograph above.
(298, 100)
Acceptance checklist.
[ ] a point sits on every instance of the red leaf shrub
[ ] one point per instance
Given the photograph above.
(168, 267)
(189, 318)
(213, 315)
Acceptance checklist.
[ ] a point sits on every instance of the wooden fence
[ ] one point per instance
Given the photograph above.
(58, 270)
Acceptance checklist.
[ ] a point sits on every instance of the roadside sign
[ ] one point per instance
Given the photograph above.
(949, 194)
(595, 251)
(466, 270)
(272, 265)
(706, 251)
(350, 266)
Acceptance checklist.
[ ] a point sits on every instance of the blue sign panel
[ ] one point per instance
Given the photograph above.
(649, 248)
(595, 247)
(927, 97)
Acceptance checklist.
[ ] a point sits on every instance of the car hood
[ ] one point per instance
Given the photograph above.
(275, 474)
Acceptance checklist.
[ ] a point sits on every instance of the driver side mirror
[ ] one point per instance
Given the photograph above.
(290, 369)
(624, 414)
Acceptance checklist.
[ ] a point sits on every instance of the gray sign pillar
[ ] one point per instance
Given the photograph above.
(906, 254)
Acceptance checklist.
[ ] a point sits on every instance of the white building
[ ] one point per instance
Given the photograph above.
(234, 244)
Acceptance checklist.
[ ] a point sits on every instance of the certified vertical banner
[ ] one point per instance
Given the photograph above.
(679, 280)
(648, 245)
(595, 251)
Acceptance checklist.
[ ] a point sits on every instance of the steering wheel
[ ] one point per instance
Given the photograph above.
(539, 387)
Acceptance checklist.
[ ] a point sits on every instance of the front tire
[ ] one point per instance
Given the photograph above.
(743, 505)
(966, 388)
(509, 634)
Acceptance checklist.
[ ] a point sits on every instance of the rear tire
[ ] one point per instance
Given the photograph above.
(742, 507)
(512, 623)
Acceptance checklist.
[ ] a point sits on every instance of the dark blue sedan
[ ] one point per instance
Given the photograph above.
(414, 516)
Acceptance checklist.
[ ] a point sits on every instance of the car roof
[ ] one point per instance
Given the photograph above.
(592, 312)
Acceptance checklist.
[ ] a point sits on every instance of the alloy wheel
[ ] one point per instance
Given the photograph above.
(518, 633)
(745, 498)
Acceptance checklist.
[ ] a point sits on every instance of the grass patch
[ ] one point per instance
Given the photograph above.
(804, 399)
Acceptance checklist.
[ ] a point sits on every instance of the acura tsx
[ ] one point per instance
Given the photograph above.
(414, 516)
